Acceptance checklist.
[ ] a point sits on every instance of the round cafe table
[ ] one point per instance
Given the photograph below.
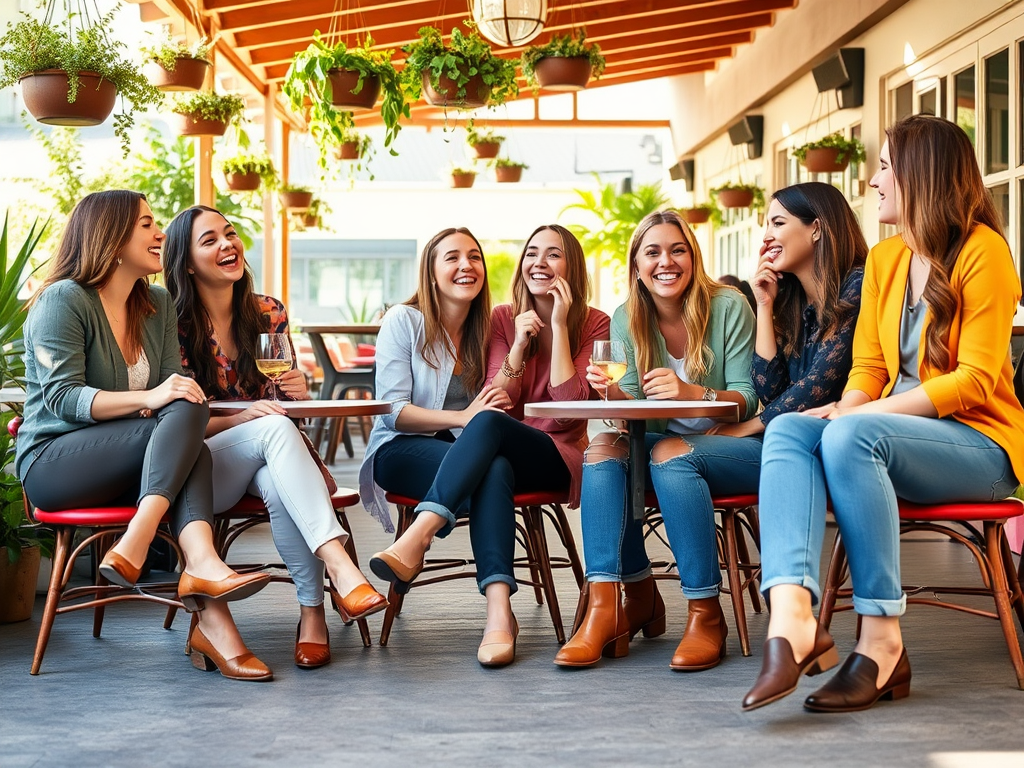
(309, 409)
(635, 413)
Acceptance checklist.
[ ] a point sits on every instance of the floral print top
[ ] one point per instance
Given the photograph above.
(817, 373)
(227, 376)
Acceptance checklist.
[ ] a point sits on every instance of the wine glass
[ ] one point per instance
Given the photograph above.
(610, 357)
(274, 357)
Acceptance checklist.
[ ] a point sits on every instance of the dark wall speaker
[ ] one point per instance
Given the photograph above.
(683, 170)
(750, 131)
(843, 72)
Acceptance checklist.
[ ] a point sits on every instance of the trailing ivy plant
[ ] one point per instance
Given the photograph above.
(208, 105)
(563, 46)
(33, 46)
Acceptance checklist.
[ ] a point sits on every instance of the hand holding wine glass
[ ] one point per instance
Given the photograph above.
(609, 357)
(273, 358)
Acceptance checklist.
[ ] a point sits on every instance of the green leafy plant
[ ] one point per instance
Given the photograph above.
(462, 57)
(850, 150)
(287, 188)
(33, 46)
(242, 163)
(458, 170)
(207, 105)
(756, 191)
(564, 46)
(307, 79)
(504, 162)
(166, 51)
(482, 135)
(711, 209)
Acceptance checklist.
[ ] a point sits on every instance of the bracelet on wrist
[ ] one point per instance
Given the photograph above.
(510, 372)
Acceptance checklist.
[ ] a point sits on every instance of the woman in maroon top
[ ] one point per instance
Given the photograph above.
(540, 348)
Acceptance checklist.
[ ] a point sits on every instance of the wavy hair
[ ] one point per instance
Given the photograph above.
(575, 274)
(194, 324)
(840, 248)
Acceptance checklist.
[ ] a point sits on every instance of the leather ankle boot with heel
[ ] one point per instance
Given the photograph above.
(604, 630)
(703, 643)
(644, 608)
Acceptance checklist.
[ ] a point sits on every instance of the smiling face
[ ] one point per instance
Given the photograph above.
(459, 273)
(790, 242)
(543, 261)
(884, 182)
(142, 252)
(216, 255)
(664, 262)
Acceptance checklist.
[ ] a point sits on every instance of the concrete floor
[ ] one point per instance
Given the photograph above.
(131, 698)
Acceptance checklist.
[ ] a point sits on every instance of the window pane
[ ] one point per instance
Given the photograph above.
(929, 102)
(1001, 197)
(965, 112)
(858, 171)
(904, 101)
(997, 112)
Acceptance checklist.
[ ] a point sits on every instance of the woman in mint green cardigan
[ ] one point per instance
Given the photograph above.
(686, 338)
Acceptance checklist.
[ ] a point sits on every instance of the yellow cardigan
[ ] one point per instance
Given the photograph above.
(978, 389)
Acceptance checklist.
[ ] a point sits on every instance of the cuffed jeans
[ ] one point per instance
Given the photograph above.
(120, 462)
(863, 462)
(478, 475)
(267, 457)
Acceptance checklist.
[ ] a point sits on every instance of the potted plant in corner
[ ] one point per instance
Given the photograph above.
(739, 195)
(462, 73)
(564, 63)
(295, 197)
(244, 172)
(206, 113)
(350, 78)
(73, 77)
(508, 171)
(831, 154)
(484, 141)
(462, 178)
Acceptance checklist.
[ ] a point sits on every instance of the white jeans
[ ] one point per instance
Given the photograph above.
(268, 458)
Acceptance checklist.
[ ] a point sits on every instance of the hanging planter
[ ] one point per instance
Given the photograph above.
(242, 182)
(565, 63)
(172, 66)
(508, 171)
(463, 178)
(246, 172)
(296, 198)
(831, 154)
(354, 145)
(46, 98)
(206, 113)
(352, 89)
(348, 150)
(739, 196)
(483, 141)
(698, 215)
(312, 217)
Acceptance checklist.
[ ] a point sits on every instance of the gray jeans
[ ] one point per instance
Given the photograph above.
(118, 462)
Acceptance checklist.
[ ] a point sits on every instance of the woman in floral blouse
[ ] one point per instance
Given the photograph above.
(259, 450)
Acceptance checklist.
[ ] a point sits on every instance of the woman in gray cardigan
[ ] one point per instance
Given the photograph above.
(110, 413)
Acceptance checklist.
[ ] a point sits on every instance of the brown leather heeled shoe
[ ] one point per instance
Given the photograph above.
(117, 570)
(852, 688)
(780, 671)
(311, 655)
(645, 610)
(498, 648)
(390, 567)
(237, 586)
(361, 602)
(243, 667)
(603, 631)
(703, 643)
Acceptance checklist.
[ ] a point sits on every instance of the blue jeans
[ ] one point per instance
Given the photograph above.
(863, 462)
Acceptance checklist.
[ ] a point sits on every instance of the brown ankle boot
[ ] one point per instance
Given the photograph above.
(703, 643)
(604, 630)
(645, 610)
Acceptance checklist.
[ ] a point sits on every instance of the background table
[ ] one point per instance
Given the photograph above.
(635, 413)
(309, 409)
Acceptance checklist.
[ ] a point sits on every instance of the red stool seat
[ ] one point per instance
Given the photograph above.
(87, 516)
(962, 511)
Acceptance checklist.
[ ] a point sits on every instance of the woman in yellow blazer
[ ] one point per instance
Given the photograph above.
(928, 415)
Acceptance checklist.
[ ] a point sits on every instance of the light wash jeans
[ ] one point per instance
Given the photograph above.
(863, 462)
(268, 458)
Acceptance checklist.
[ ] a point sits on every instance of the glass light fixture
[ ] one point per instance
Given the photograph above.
(510, 22)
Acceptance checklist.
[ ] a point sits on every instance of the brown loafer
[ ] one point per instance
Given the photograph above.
(361, 602)
(780, 672)
(852, 688)
(311, 655)
(390, 567)
(243, 667)
(117, 570)
(237, 586)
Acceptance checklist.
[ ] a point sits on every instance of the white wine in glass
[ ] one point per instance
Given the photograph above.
(610, 357)
(273, 358)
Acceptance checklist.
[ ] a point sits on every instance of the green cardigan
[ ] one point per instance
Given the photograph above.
(71, 354)
(730, 338)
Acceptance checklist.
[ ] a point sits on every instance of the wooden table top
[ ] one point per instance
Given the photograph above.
(309, 409)
(634, 409)
(355, 329)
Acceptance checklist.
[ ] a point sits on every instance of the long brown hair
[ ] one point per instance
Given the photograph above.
(695, 311)
(839, 249)
(575, 274)
(475, 332)
(98, 229)
(943, 199)
(247, 322)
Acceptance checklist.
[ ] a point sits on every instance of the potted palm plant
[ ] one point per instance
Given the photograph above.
(508, 171)
(830, 154)
(173, 66)
(73, 76)
(564, 63)
(484, 142)
(244, 171)
(295, 197)
(462, 178)
(462, 73)
(206, 113)
(351, 78)
(739, 195)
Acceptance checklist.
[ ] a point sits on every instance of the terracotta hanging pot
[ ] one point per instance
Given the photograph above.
(296, 200)
(695, 215)
(508, 174)
(46, 96)
(735, 198)
(243, 182)
(487, 150)
(348, 150)
(344, 81)
(463, 180)
(310, 221)
(825, 160)
(561, 73)
(192, 124)
(188, 74)
(445, 95)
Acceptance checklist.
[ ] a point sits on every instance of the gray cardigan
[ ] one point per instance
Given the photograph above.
(71, 354)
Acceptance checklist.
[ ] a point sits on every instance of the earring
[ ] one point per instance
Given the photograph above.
(119, 261)
(190, 271)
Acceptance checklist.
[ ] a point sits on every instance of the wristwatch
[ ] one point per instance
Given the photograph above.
(709, 394)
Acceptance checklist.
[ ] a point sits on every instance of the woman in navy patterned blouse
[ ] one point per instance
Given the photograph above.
(807, 289)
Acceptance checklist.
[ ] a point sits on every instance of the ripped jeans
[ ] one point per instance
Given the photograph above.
(613, 544)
